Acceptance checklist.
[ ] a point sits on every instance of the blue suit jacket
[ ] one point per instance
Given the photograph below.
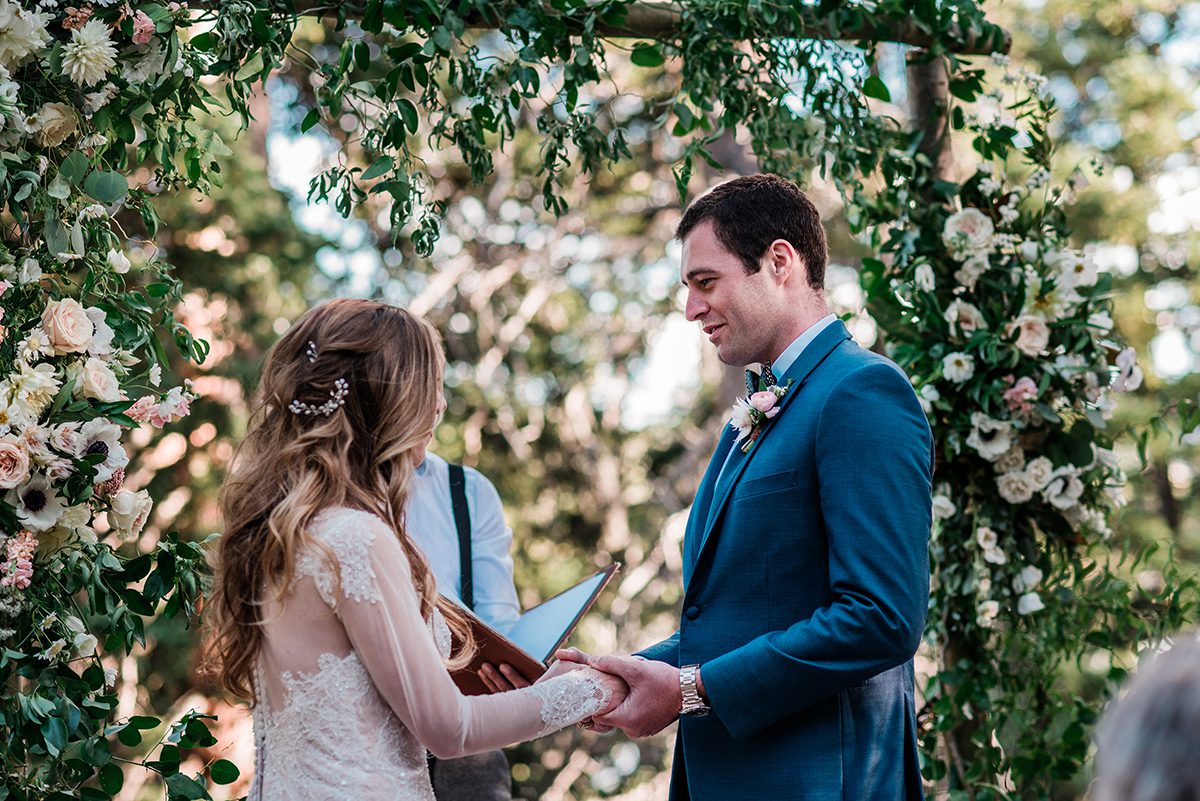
(806, 583)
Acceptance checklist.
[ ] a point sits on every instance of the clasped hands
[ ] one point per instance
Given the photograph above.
(646, 695)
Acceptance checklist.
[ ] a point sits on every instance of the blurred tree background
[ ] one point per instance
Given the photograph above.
(573, 380)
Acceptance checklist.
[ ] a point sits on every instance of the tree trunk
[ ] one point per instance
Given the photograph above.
(928, 104)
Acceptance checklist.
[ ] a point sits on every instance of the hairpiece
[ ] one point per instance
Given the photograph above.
(311, 351)
(337, 397)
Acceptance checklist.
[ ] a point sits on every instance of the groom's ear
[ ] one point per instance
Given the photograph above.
(784, 262)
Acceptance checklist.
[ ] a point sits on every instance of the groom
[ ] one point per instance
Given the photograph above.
(806, 554)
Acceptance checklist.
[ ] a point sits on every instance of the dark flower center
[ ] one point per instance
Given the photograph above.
(99, 446)
(35, 500)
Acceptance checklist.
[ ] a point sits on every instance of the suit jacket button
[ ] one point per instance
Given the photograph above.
(692, 612)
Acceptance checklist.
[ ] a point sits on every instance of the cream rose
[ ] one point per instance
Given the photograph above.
(55, 122)
(129, 512)
(14, 462)
(967, 233)
(97, 380)
(67, 326)
(1033, 335)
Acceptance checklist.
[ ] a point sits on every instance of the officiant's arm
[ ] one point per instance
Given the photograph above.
(874, 467)
(665, 651)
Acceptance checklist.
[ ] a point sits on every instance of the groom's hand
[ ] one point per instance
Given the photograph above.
(654, 698)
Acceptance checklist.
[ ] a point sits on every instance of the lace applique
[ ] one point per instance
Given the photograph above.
(570, 698)
(349, 535)
(334, 738)
(442, 637)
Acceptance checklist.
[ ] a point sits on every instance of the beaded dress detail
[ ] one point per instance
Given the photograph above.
(351, 687)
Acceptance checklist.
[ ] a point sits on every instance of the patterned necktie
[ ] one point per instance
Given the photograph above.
(756, 382)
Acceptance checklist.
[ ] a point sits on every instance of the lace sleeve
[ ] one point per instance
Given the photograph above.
(570, 698)
(379, 608)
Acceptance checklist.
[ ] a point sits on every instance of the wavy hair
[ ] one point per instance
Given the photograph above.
(291, 466)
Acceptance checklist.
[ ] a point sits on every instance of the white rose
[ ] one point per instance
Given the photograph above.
(958, 367)
(1015, 487)
(67, 326)
(1029, 603)
(967, 233)
(129, 513)
(55, 122)
(118, 262)
(1040, 470)
(1033, 335)
(1013, 459)
(943, 507)
(99, 381)
(14, 462)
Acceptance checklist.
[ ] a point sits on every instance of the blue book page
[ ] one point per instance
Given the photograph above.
(540, 629)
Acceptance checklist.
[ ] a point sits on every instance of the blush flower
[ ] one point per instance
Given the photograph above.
(765, 402)
(143, 28)
(1020, 395)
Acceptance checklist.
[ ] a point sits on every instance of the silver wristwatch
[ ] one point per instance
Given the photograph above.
(693, 704)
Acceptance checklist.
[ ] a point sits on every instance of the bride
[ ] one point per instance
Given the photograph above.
(324, 614)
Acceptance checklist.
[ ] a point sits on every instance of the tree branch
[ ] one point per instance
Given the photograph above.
(661, 21)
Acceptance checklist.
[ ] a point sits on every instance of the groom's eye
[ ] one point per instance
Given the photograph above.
(705, 282)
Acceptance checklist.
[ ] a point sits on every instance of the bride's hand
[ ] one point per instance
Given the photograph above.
(616, 686)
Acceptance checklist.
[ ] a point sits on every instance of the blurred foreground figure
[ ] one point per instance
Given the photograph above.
(1149, 742)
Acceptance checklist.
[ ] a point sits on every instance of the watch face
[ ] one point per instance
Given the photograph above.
(696, 711)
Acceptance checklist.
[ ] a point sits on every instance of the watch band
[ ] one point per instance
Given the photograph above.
(693, 704)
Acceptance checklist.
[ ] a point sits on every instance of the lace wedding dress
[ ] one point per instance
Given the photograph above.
(351, 687)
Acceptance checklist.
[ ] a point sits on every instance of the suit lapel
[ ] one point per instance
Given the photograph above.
(702, 503)
(817, 351)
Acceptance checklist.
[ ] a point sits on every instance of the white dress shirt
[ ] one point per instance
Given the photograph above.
(430, 522)
(784, 362)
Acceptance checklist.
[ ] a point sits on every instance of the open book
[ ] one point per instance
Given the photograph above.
(535, 637)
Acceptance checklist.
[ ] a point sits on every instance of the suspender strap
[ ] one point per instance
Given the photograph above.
(462, 521)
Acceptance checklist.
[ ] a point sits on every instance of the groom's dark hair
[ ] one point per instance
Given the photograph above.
(751, 212)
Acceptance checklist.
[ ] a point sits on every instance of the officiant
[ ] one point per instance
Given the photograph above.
(455, 516)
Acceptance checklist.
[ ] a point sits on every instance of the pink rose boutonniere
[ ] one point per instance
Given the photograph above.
(750, 413)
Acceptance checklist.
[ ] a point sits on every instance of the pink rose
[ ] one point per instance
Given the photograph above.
(765, 402)
(143, 28)
(14, 462)
(4, 285)
(67, 326)
(1020, 394)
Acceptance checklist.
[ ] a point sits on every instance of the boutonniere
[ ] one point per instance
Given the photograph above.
(750, 413)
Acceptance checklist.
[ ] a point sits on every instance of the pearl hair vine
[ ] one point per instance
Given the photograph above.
(337, 397)
(311, 351)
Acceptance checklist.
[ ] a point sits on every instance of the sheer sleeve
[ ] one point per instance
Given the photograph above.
(379, 608)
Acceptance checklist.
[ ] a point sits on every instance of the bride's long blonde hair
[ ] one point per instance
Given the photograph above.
(291, 466)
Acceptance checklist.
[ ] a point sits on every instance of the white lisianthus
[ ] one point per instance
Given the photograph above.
(155, 374)
(995, 556)
(99, 99)
(30, 272)
(1029, 603)
(986, 614)
(1027, 579)
(964, 319)
(1064, 490)
(1129, 375)
(90, 54)
(972, 268)
(943, 507)
(1033, 335)
(927, 396)
(118, 262)
(102, 333)
(958, 367)
(967, 233)
(83, 642)
(986, 537)
(991, 438)
(924, 278)
(1015, 487)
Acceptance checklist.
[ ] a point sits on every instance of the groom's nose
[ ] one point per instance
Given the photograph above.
(695, 307)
